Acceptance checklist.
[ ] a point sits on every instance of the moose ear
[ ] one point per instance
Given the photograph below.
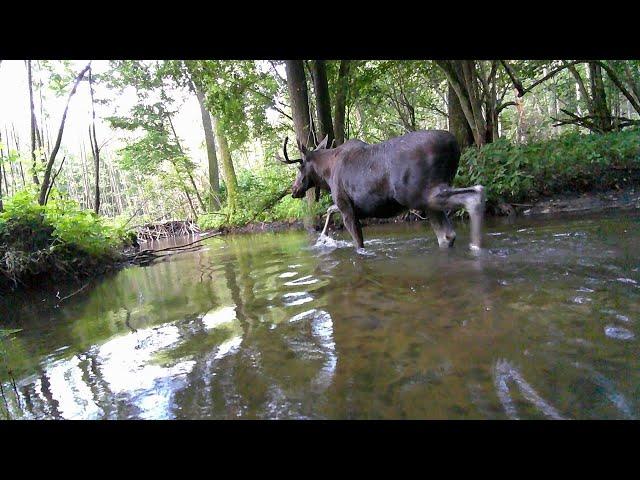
(323, 143)
(302, 148)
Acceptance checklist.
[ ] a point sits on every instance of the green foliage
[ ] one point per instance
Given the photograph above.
(60, 222)
(55, 238)
(5, 332)
(573, 161)
(264, 196)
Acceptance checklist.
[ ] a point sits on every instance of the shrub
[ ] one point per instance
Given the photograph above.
(575, 162)
(59, 238)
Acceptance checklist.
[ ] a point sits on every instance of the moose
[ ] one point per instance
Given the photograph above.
(410, 172)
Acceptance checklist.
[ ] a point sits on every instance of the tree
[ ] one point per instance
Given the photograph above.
(2, 173)
(210, 141)
(95, 150)
(228, 171)
(190, 73)
(158, 152)
(458, 124)
(323, 100)
(46, 181)
(297, 83)
(341, 101)
(34, 126)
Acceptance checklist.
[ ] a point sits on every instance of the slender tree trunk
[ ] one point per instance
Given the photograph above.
(323, 100)
(4, 170)
(2, 174)
(341, 100)
(191, 180)
(33, 124)
(85, 178)
(471, 85)
(214, 182)
(94, 148)
(458, 124)
(47, 173)
(228, 172)
(16, 140)
(297, 85)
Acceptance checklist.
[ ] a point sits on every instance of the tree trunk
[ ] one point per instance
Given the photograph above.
(600, 108)
(33, 124)
(341, 101)
(47, 173)
(462, 77)
(94, 148)
(1, 175)
(323, 100)
(228, 172)
(458, 124)
(297, 85)
(191, 180)
(214, 182)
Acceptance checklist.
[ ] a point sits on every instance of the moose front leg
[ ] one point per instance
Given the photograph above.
(330, 211)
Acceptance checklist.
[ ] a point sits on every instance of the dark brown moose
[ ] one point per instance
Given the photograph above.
(413, 171)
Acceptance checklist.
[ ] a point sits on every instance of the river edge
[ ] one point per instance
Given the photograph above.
(587, 202)
(627, 198)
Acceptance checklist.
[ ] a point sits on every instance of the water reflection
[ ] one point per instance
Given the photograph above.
(541, 324)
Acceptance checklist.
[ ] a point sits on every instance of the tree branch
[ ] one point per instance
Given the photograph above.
(518, 84)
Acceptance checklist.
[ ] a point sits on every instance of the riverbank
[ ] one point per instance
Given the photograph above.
(593, 201)
(569, 173)
(32, 257)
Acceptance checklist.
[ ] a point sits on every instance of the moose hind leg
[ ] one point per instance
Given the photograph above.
(471, 199)
(442, 227)
(351, 222)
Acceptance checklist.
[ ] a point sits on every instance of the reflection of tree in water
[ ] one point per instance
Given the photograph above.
(260, 378)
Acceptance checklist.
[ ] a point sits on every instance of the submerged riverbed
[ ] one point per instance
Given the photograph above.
(543, 324)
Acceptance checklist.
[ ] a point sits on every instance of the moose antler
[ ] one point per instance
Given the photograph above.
(286, 157)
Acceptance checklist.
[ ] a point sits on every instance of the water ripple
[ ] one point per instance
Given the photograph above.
(504, 372)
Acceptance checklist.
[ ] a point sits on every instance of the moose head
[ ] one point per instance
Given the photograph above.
(307, 177)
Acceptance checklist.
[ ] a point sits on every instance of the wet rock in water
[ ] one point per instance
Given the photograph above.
(618, 333)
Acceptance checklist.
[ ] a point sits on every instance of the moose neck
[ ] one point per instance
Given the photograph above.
(323, 163)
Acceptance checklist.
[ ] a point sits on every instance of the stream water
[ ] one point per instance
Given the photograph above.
(542, 324)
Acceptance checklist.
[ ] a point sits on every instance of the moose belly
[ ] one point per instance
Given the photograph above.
(378, 208)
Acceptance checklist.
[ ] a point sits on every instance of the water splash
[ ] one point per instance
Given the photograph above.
(326, 242)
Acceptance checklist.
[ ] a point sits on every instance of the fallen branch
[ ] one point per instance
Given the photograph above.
(271, 203)
(415, 212)
(72, 294)
(149, 255)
